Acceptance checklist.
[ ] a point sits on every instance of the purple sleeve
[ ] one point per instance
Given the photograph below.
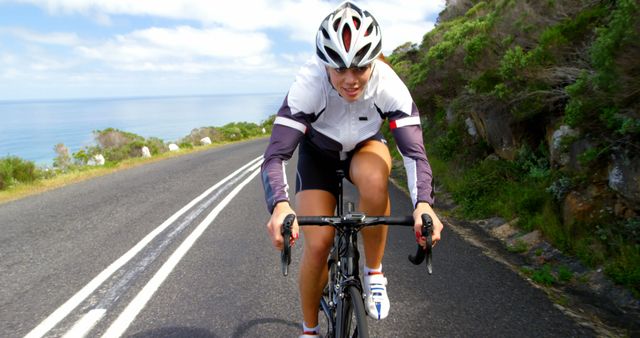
(408, 136)
(286, 134)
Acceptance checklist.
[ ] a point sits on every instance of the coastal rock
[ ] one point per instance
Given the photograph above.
(471, 127)
(494, 126)
(96, 160)
(173, 147)
(529, 240)
(205, 140)
(145, 152)
(504, 231)
(576, 207)
(624, 178)
(558, 153)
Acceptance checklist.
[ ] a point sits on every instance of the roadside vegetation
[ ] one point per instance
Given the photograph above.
(530, 111)
(119, 149)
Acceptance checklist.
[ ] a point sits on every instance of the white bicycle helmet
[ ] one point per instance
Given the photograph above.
(348, 37)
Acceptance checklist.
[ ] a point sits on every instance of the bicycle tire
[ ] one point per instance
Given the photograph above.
(351, 319)
(327, 297)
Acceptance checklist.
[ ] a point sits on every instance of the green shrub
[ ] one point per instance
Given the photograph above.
(62, 160)
(156, 146)
(448, 145)
(81, 157)
(486, 82)
(625, 269)
(621, 30)
(513, 61)
(534, 164)
(564, 274)
(14, 169)
(518, 247)
(588, 249)
(474, 48)
(185, 145)
(543, 275)
(481, 187)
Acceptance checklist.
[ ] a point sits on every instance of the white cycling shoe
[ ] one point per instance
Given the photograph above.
(376, 300)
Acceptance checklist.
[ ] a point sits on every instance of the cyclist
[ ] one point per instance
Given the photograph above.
(333, 113)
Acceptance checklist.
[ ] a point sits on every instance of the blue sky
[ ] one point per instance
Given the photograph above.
(58, 49)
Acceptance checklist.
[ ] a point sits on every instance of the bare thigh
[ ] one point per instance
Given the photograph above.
(316, 203)
(370, 169)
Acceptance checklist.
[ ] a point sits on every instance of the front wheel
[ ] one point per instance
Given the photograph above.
(351, 320)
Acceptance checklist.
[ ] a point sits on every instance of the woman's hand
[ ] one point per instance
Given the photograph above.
(425, 208)
(274, 227)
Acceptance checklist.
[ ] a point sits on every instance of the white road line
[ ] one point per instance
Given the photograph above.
(120, 325)
(63, 311)
(84, 325)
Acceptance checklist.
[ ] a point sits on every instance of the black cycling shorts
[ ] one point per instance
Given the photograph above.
(317, 168)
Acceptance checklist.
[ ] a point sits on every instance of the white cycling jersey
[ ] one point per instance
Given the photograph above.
(313, 109)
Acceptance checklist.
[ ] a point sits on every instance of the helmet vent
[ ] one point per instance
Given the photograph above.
(356, 22)
(336, 24)
(346, 37)
(321, 56)
(369, 30)
(334, 56)
(361, 53)
(325, 33)
(377, 49)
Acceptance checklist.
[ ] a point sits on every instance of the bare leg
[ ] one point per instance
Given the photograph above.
(370, 169)
(317, 243)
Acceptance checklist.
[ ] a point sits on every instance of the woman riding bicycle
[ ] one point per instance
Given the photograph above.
(334, 111)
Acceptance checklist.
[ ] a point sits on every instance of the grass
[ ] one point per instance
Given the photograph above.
(544, 276)
(21, 190)
(518, 247)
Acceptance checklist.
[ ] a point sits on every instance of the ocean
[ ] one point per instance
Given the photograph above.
(31, 129)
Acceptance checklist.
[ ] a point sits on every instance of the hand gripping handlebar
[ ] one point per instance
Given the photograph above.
(285, 256)
(422, 253)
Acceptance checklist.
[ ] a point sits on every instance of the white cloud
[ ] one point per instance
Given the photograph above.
(205, 42)
(183, 48)
(63, 39)
(10, 73)
(298, 58)
(48, 64)
(228, 47)
(403, 21)
(240, 15)
(300, 17)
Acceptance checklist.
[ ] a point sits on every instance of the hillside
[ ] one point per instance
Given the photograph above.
(530, 112)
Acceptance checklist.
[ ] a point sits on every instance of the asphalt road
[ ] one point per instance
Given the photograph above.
(178, 248)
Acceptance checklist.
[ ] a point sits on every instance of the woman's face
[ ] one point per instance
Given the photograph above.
(350, 82)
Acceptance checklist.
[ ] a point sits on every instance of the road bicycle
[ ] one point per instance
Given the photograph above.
(342, 298)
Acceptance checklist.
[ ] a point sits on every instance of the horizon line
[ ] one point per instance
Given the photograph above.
(132, 97)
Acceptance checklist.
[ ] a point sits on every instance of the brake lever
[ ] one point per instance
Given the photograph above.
(425, 253)
(285, 255)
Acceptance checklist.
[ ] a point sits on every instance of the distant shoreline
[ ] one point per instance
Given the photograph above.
(31, 128)
(140, 97)
(44, 185)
